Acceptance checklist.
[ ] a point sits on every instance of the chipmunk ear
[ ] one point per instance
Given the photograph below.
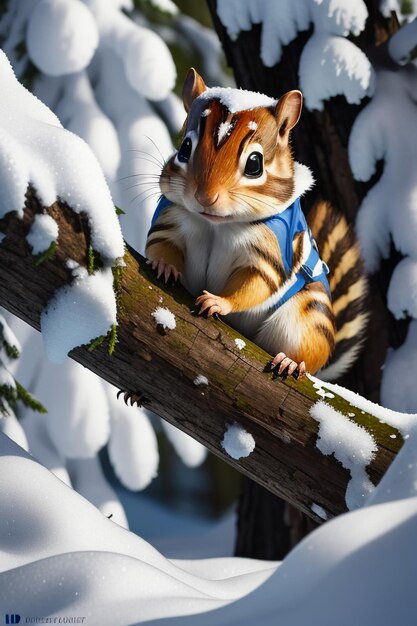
(288, 111)
(193, 86)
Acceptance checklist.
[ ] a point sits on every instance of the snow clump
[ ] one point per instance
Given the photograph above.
(42, 233)
(200, 380)
(236, 100)
(165, 318)
(237, 442)
(62, 36)
(239, 343)
(78, 313)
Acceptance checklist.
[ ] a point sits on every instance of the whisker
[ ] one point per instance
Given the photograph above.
(147, 197)
(237, 195)
(255, 199)
(155, 162)
(140, 185)
(241, 202)
(145, 190)
(157, 147)
(151, 155)
(139, 150)
(155, 176)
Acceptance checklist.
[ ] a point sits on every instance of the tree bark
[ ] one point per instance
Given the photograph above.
(320, 141)
(163, 367)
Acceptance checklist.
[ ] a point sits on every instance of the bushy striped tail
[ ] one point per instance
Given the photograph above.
(339, 248)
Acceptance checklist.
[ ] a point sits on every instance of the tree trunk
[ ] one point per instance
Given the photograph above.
(320, 141)
(163, 367)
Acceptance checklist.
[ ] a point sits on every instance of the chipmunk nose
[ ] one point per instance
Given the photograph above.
(205, 198)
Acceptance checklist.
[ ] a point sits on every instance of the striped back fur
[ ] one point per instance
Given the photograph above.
(339, 248)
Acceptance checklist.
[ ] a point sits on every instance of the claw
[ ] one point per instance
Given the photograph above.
(164, 269)
(161, 267)
(134, 397)
(283, 366)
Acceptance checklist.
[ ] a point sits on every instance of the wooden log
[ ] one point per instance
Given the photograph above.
(163, 368)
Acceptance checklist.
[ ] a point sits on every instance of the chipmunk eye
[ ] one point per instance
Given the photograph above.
(184, 152)
(254, 165)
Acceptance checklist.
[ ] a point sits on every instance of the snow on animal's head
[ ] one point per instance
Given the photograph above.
(234, 163)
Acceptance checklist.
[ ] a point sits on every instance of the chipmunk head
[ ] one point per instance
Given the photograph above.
(234, 162)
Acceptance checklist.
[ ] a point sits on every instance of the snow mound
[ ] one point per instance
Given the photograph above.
(79, 112)
(36, 150)
(386, 129)
(398, 387)
(403, 42)
(402, 292)
(154, 77)
(330, 64)
(132, 447)
(280, 21)
(78, 313)
(66, 534)
(340, 17)
(77, 424)
(351, 444)
(62, 36)
(379, 132)
(67, 558)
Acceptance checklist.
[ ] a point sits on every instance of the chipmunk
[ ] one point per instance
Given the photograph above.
(229, 226)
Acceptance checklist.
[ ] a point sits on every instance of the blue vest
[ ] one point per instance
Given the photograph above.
(285, 226)
(163, 203)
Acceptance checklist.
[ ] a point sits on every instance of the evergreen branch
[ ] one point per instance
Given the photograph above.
(11, 350)
(28, 400)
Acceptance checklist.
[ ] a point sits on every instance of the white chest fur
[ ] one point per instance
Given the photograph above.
(212, 252)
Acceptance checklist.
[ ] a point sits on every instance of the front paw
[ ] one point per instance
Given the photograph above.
(283, 366)
(213, 304)
(165, 269)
